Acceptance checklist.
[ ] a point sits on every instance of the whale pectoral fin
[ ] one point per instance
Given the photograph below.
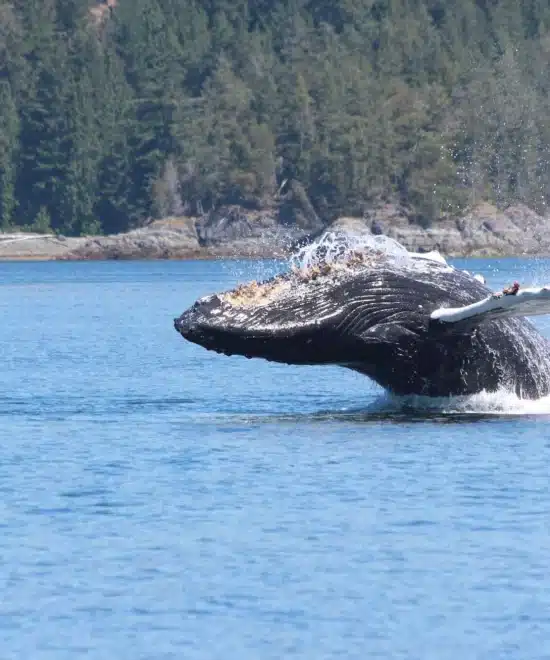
(524, 302)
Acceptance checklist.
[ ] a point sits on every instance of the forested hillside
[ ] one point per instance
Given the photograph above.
(113, 113)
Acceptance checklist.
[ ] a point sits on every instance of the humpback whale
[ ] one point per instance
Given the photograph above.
(412, 323)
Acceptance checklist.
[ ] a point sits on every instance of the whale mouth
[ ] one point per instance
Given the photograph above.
(216, 325)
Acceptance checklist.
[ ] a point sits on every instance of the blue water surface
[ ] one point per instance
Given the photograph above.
(160, 501)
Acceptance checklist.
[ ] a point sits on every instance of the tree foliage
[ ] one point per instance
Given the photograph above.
(116, 111)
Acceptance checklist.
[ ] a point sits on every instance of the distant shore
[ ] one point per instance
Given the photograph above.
(234, 233)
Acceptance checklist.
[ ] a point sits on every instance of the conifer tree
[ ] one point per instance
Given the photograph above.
(9, 140)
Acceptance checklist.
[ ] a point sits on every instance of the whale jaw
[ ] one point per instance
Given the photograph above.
(217, 326)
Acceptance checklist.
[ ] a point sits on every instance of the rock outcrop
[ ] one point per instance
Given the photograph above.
(484, 231)
(27, 246)
(173, 238)
(235, 232)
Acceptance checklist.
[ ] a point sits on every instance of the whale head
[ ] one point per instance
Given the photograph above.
(285, 319)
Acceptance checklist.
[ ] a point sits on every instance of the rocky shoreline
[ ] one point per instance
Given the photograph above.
(235, 233)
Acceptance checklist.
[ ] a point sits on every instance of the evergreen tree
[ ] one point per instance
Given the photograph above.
(44, 142)
(150, 49)
(9, 140)
(113, 204)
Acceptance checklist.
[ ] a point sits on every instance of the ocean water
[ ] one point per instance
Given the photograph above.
(159, 501)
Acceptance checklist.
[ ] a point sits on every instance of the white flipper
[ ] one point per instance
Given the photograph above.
(526, 302)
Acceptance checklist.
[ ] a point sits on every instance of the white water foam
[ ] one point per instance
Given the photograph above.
(501, 403)
(337, 247)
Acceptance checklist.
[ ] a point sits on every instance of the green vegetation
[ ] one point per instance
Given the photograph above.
(114, 113)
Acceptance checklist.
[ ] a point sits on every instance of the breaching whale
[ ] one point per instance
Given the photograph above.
(411, 322)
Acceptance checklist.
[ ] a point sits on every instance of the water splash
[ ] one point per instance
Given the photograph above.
(259, 270)
(502, 402)
(338, 246)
